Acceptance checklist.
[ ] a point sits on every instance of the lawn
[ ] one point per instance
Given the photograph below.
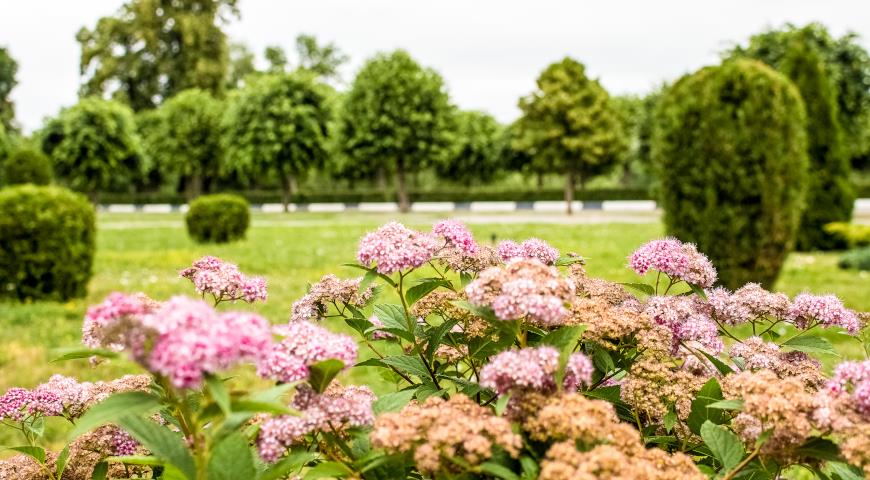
(140, 252)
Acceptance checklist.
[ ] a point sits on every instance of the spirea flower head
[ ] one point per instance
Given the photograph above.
(13, 403)
(335, 409)
(224, 281)
(760, 355)
(531, 248)
(688, 319)
(748, 303)
(304, 344)
(101, 327)
(678, 260)
(825, 310)
(523, 288)
(330, 289)
(534, 369)
(852, 379)
(457, 235)
(395, 248)
(578, 371)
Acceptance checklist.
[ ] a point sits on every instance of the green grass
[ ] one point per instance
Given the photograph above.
(294, 250)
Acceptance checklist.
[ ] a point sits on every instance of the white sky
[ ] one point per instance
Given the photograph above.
(489, 51)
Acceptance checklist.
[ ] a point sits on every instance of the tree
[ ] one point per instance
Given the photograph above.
(730, 150)
(93, 145)
(278, 124)
(636, 115)
(475, 157)
(397, 118)
(186, 139)
(241, 64)
(152, 49)
(570, 126)
(277, 58)
(8, 70)
(322, 60)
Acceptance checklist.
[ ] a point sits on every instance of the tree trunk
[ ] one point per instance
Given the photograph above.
(288, 184)
(95, 198)
(404, 203)
(540, 176)
(381, 181)
(194, 186)
(569, 192)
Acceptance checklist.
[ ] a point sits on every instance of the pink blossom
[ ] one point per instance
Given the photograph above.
(748, 303)
(379, 334)
(394, 248)
(688, 319)
(304, 344)
(531, 248)
(528, 368)
(457, 235)
(827, 311)
(116, 307)
(123, 444)
(578, 371)
(335, 409)
(330, 289)
(13, 403)
(678, 260)
(224, 281)
(852, 379)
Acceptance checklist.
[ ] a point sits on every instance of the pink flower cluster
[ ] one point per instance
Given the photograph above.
(523, 288)
(224, 281)
(394, 248)
(531, 248)
(678, 260)
(827, 311)
(852, 378)
(101, 320)
(304, 344)
(335, 409)
(534, 369)
(457, 235)
(688, 320)
(182, 339)
(748, 303)
(330, 289)
(19, 403)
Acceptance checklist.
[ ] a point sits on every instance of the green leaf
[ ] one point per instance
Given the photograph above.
(843, 471)
(811, 344)
(114, 407)
(820, 448)
(292, 462)
(367, 280)
(436, 334)
(392, 402)
(501, 403)
(393, 317)
(640, 287)
(60, 463)
(321, 374)
(231, 459)
(498, 471)
(602, 360)
(254, 406)
(698, 291)
(732, 404)
(709, 393)
(36, 453)
(721, 366)
(425, 287)
(64, 354)
(563, 337)
(327, 469)
(374, 271)
(101, 470)
(162, 443)
(724, 444)
(407, 364)
(464, 279)
(529, 467)
(670, 420)
(566, 260)
(137, 460)
(219, 393)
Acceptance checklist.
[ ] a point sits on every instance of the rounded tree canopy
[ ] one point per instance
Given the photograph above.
(476, 154)
(730, 147)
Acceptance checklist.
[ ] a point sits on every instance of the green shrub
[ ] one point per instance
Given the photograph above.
(46, 243)
(218, 218)
(27, 165)
(857, 259)
(731, 153)
(849, 233)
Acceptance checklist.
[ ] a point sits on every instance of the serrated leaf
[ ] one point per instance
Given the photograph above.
(843, 471)
(602, 360)
(392, 402)
(710, 393)
(725, 445)
(425, 287)
(721, 366)
(293, 461)
(321, 374)
(498, 471)
(698, 291)
(219, 393)
(393, 316)
(34, 452)
(114, 407)
(529, 467)
(563, 337)
(231, 459)
(640, 287)
(810, 344)
(732, 404)
(670, 420)
(820, 448)
(566, 260)
(436, 334)
(162, 443)
(407, 364)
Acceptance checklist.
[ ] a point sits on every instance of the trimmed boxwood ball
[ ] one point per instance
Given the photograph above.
(46, 243)
(27, 165)
(730, 148)
(218, 218)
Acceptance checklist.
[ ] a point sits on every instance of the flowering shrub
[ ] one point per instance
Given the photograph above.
(504, 362)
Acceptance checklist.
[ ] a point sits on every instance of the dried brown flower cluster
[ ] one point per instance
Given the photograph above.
(652, 385)
(758, 355)
(607, 324)
(84, 454)
(782, 405)
(461, 261)
(608, 448)
(439, 430)
(611, 293)
(839, 416)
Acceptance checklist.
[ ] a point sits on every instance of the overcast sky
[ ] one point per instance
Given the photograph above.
(489, 51)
